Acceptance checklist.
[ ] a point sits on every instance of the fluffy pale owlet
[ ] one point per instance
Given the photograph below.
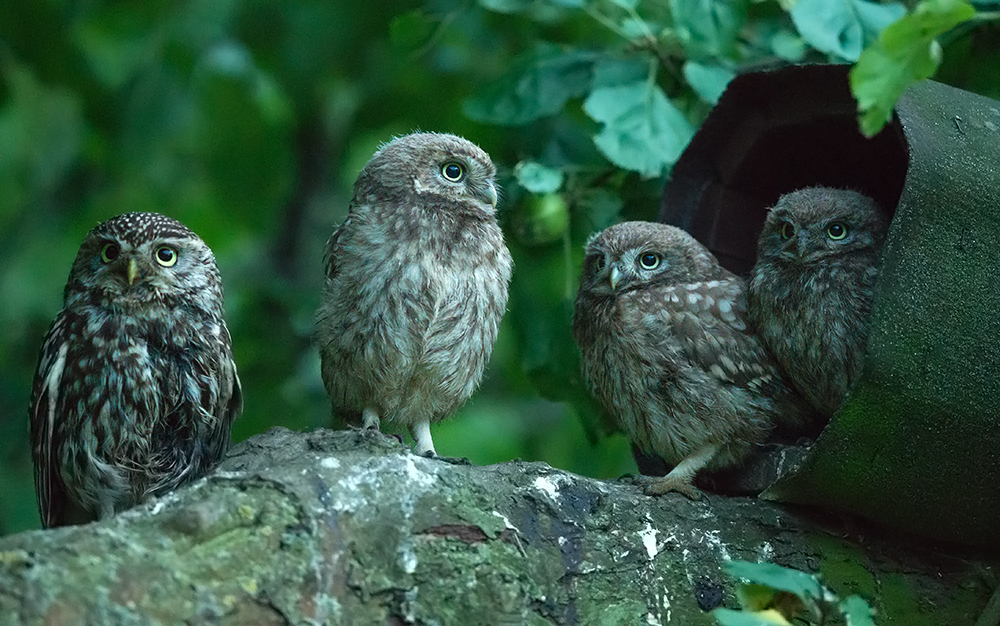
(136, 388)
(416, 285)
(810, 293)
(666, 348)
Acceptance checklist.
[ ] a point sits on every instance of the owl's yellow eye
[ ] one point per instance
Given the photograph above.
(836, 231)
(453, 171)
(787, 231)
(166, 256)
(109, 252)
(650, 261)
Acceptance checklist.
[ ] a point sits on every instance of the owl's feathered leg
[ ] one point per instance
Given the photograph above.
(370, 421)
(421, 432)
(681, 478)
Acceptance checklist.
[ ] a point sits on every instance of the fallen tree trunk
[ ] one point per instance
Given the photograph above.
(346, 528)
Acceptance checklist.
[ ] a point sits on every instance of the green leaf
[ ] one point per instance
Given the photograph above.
(610, 72)
(637, 29)
(42, 132)
(596, 209)
(905, 53)
(411, 30)
(875, 16)
(538, 86)
(708, 81)
(709, 28)
(857, 612)
(643, 131)
(507, 6)
(119, 41)
(793, 581)
(754, 596)
(729, 617)
(538, 178)
(841, 27)
(788, 46)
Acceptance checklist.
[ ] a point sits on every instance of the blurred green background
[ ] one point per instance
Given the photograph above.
(249, 120)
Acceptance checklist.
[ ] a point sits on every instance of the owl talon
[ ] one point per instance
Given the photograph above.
(453, 460)
(660, 485)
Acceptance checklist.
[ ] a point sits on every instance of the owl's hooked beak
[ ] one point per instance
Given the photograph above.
(803, 243)
(614, 277)
(491, 192)
(132, 271)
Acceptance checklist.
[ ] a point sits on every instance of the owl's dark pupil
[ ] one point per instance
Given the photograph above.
(452, 171)
(649, 260)
(787, 230)
(109, 252)
(836, 231)
(600, 263)
(166, 256)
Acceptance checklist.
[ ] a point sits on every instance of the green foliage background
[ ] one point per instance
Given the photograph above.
(248, 121)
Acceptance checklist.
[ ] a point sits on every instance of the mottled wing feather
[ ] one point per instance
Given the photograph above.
(49, 488)
(332, 253)
(709, 321)
(229, 411)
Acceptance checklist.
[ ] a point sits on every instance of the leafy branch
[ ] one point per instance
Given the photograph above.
(774, 596)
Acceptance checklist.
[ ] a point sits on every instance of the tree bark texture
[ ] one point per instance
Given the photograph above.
(347, 527)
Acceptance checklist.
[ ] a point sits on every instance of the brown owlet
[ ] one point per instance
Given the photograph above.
(810, 293)
(136, 388)
(666, 347)
(416, 285)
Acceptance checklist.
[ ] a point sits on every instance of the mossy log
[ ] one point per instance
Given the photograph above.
(345, 527)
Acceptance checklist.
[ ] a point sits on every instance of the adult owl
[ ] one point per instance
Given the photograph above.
(136, 388)
(810, 292)
(416, 284)
(666, 347)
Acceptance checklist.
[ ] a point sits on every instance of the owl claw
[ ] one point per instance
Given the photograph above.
(659, 485)
(453, 460)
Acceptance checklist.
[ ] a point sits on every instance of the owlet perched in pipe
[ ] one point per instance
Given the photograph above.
(810, 293)
(666, 348)
(416, 284)
(136, 388)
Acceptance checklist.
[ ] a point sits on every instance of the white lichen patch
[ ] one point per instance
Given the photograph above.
(418, 475)
(407, 556)
(413, 481)
(330, 462)
(712, 540)
(766, 553)
(648, 537)
(506, 522)
(547, 486)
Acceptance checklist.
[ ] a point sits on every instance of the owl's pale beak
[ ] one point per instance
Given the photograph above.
(801, 242)
(615, 276)
(132, 271)
(491, 191)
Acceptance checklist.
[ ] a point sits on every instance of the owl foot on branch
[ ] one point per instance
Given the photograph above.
(681, 478)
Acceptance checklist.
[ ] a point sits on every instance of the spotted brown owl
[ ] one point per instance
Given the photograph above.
(416, 285)
(666, 347)
(810, 292)
(136, 388)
